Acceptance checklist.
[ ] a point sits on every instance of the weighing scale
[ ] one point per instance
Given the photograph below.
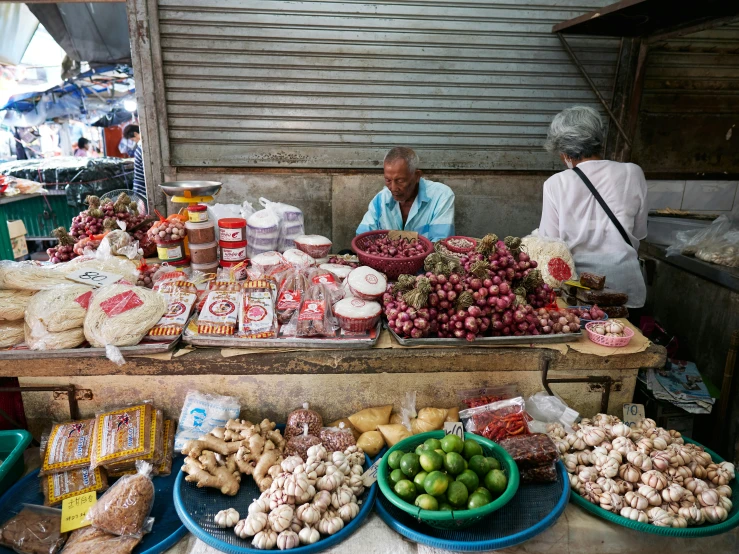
(191, 192)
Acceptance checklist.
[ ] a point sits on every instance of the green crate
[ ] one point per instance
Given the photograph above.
(12, 445)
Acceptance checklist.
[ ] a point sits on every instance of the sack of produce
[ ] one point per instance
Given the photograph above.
(35, 530)
(201, 413)
(337, 438)
(552, 256)
(67, 446)
(89, 540)
(124, 508)
(291, 222)
(13, 304)
(498, 420)
(371, 442)
(370, 418)
(471, 398)
(296, 420)
(11, 333)
(718, 243)
(258, 319)
(393, 433)
(60, 486)
(123, 434)
(300, 444)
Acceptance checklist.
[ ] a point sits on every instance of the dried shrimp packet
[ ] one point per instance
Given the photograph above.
(125, 507)
(337, 438)
(220, 313)
(122, 435)
(300, 444)
(498, 420)
(180, 297)
(531, 450)
(540, 474)
(315, 317)
(60, 486)
(89, 540)
(68, 446)
(12, 333)
(258, 319)
(297, 419)
(13, 304)
(291, 290)
(34, 530)
(153, 456)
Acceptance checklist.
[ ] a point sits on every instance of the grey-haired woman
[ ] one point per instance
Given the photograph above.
(577, 203)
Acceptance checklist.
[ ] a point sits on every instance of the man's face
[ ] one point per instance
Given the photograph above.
(136, 137)
(400, 182)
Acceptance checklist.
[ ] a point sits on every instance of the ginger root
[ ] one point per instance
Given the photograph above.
(205, 471)
(194, 448)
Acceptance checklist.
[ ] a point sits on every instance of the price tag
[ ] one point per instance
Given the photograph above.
(93, 277)
(633, 414)
(576, 284)
(454, 428)
(74, 511)
(370, 476)
(395, 235)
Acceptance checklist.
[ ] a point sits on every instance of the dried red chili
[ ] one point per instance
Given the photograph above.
(498, 420)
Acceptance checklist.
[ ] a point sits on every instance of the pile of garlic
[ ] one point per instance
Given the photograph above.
(609, 329)
(644, 473)
(307, 500)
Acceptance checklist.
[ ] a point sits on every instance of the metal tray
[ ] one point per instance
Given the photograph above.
(337, 343)
(143, 349)
(484, 341)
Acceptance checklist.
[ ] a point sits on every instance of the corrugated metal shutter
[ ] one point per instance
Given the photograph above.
(690, 103)
(470, 84)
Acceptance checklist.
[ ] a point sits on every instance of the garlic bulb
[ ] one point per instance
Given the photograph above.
(576, 442)
(625, 485)
(296, 484)
(592, 492)
(723, 490)
(261, 505)
(609, 468)
(265, 540)
(289, 464)
(654, 479)
(226, 518)
(645, 445)
(623, 445)
(314, 466)
(279, 497)
(672, 508)
(707, 497)
(611, 502)
(288, 540)
(719, 474)
(725, 503)
(679, 522)
(673, 493)
(636, 501)
(562, 445)
(647, 423)
(330, 525)
(692, 514)
(589, 474)
(295, 525)
(640, 460)
(702, 458)
(659, 518)
(570, 462)
(331, 481)
(556, 431)
(636, 434)
(629, 472)
(593, 436)
(340, 462)
(659, 443)
(695, 485)
(309, 535)
(608, 445)
(652, 495)
(281, 517)
(355, 455)
(728, 467)
(609, 485)
(634, 515)
(584, 457)
(308, 513)
(616, 455)
(621, 430)
(341, 497)
(349, 511)
(715, 514)
(318, 452)
(322, 500)
(576, 484)
(251, 525)
(605, 419)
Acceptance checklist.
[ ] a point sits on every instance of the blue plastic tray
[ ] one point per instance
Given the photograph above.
(168, 528)
(534, 508)
(197, 508)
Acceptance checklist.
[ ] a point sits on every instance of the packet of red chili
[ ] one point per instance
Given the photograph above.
(498, 420)
(472, 398)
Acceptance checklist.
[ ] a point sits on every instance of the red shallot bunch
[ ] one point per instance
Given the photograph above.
(385, 247)
(594, 313)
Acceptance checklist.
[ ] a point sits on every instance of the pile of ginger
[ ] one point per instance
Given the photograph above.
(218, 459)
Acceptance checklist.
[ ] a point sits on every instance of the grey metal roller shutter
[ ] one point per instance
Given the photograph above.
(470, 84)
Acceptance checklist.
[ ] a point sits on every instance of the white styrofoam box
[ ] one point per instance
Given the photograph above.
(665, 194)
(709, 195)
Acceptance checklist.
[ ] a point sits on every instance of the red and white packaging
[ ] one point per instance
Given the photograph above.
(339, 271)
(290, 294)
(235, 269)
(258, 319)
(319, 276)
(233, 251)
(366, 283)
(357, 315)
(298, 258)
(220, 313)
(232, 229)
(181, 297)
(269, 263)
(315, 246)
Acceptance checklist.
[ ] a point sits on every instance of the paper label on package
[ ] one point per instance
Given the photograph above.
(395, 235)
(121, 433)
(633, 414)
(72, 483)
(369, 477)
(179, 306)
(288, 300)
(312, 310)
(69, 444)
(74, 511)
(220, 308)
(576, 284)
(324, 279)
(93, 277)
(120, 303)
(454, 428)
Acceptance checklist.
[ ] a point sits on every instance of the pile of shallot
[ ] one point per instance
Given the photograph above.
(644, 473)
(385, 247)
(589, 313)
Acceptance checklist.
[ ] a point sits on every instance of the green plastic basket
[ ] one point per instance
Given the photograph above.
(12, 445)
(687, 532)
(457, 519)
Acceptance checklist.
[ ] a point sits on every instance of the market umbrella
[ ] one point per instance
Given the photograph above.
(116, 117)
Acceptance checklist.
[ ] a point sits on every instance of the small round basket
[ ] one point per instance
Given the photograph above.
(392, 267)
(457, 249)
(608, 341)
(457, 519)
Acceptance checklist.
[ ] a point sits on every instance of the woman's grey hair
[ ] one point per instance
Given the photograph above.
(576, 132)
(408, 155)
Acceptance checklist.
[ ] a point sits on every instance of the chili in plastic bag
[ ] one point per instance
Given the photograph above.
(498, 420)
(473, 398)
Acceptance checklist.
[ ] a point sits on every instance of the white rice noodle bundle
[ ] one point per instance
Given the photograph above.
(13, 304)
(11, 333)
(543, 250)
(128, 269)
(54, 317)
(31, 276)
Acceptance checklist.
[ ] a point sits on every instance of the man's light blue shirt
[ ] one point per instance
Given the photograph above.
(431, 215)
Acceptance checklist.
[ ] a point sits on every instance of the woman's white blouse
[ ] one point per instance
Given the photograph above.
(571, 213)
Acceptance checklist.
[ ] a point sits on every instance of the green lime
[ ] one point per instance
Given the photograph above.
(457, 494)
(436, 483)
(418, 480)
(471, 448)
(477, 500)
(440, 452)
(395, 476)
(484, 491)
(442, 498)
(454, 463)
(470, 480)
(409, 464)
(496, 482)
(433, 444)
(420, 449)
(431, 461)
(406, 490)
(393, 459)
(445, 507)
(452, 443)
(427, 502)
(494, 463)
(480, 465)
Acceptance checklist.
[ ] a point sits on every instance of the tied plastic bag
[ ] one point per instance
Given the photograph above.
(291, 291)
(119, 243)
(11, 333)
(291, 223)
(717, 244)
(472, 398)
(201, 413)
(498, 420)
(315, 316)
(262, 232)
(13, 304)
(549, 409)
(54, 318)
(35, 529)
(552, 256)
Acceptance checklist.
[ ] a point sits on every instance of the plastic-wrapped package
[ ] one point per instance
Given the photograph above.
(552, 256)
(540, 474)
(298, 258)
(258, 319)
(339, 271)
(128, 269)
(337, 438)
(262, 232)
(718, 243)
(13, 304)
(315, 246)
(54, 318)
(592, 281)
(498, 420)
(315, 317)
(165, 467)
(291, 223)
(11, 333)
(366, 283)
(318, 276)
(530, 450)
(298, 445)
(60, 486)
(122, 435)
(300, 417)
(472, 398)
(550, 409)
(119, 243)
(35, 530)
(616, 311)
(220, 313)
(125, 506)
(68, 446)
(605, 297)
(201, 413)
(290, 292)
(31, 276)
(89, 540)
(370, 418)
(153, 455)
(180, 297)
(269, 263)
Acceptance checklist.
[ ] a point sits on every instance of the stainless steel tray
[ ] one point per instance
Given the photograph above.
(484, 341)
(325, 343)
(142, 349)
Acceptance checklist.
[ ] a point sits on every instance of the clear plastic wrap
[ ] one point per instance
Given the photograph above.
(60, 486)
(89, 540)
(32, 276)
(337, 438)
(291, 223)
(220, 313)
(201, 413)
(165, 466)
(550, 409)
(55, 317)
(180, 297)
(298, 258)
(718, 243)
(269, 263)
(11, 333)
(300, 417)
(122, 435)
(531, 450)
(128, 269)
(315, 317)
(552, 256)
(258, 319)
(13, 304)
(299, 444)
(472, 398)
(498, 420)
(262, 232)
(318, 276)
(152, 455)
(68, 446)
(124, 508)
(35, 530)
(291, 290)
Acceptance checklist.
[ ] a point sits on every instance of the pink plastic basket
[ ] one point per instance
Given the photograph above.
(392, 267)
(608, 341)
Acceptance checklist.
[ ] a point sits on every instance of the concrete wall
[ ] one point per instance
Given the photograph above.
(334, 203)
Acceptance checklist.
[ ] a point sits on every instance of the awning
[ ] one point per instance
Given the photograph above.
(17, 26)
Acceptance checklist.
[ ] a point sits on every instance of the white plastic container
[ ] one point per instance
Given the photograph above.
(366, 283)
(357, 315)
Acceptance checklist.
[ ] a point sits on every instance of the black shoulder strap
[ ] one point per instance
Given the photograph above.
(603, 205)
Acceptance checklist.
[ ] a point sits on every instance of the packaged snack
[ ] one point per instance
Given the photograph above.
(593, 281)
(180, 297)
(154, 456)
(68, 447)
(498, 420)
(540, 474)
(337, 438)
(369, 418)
(122, 435)
(366, 283)
(298, 445)
(472, 398)
(220, 313)
(605, 297)
(13, 304)
(89, 540)
(123, 509)
(201, 413)
(315, 246)
(12, 333)
(165, 467)
(258, 319)
(59, 486)
(315, 317)
(530, 450)
(300, 417)
(35, 530)
(290, 293)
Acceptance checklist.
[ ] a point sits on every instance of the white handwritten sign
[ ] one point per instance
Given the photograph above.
(93, 277)
(370, 476)
(633, 414)
(454, 428)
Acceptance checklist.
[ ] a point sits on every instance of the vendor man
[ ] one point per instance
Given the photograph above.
(409, 202)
